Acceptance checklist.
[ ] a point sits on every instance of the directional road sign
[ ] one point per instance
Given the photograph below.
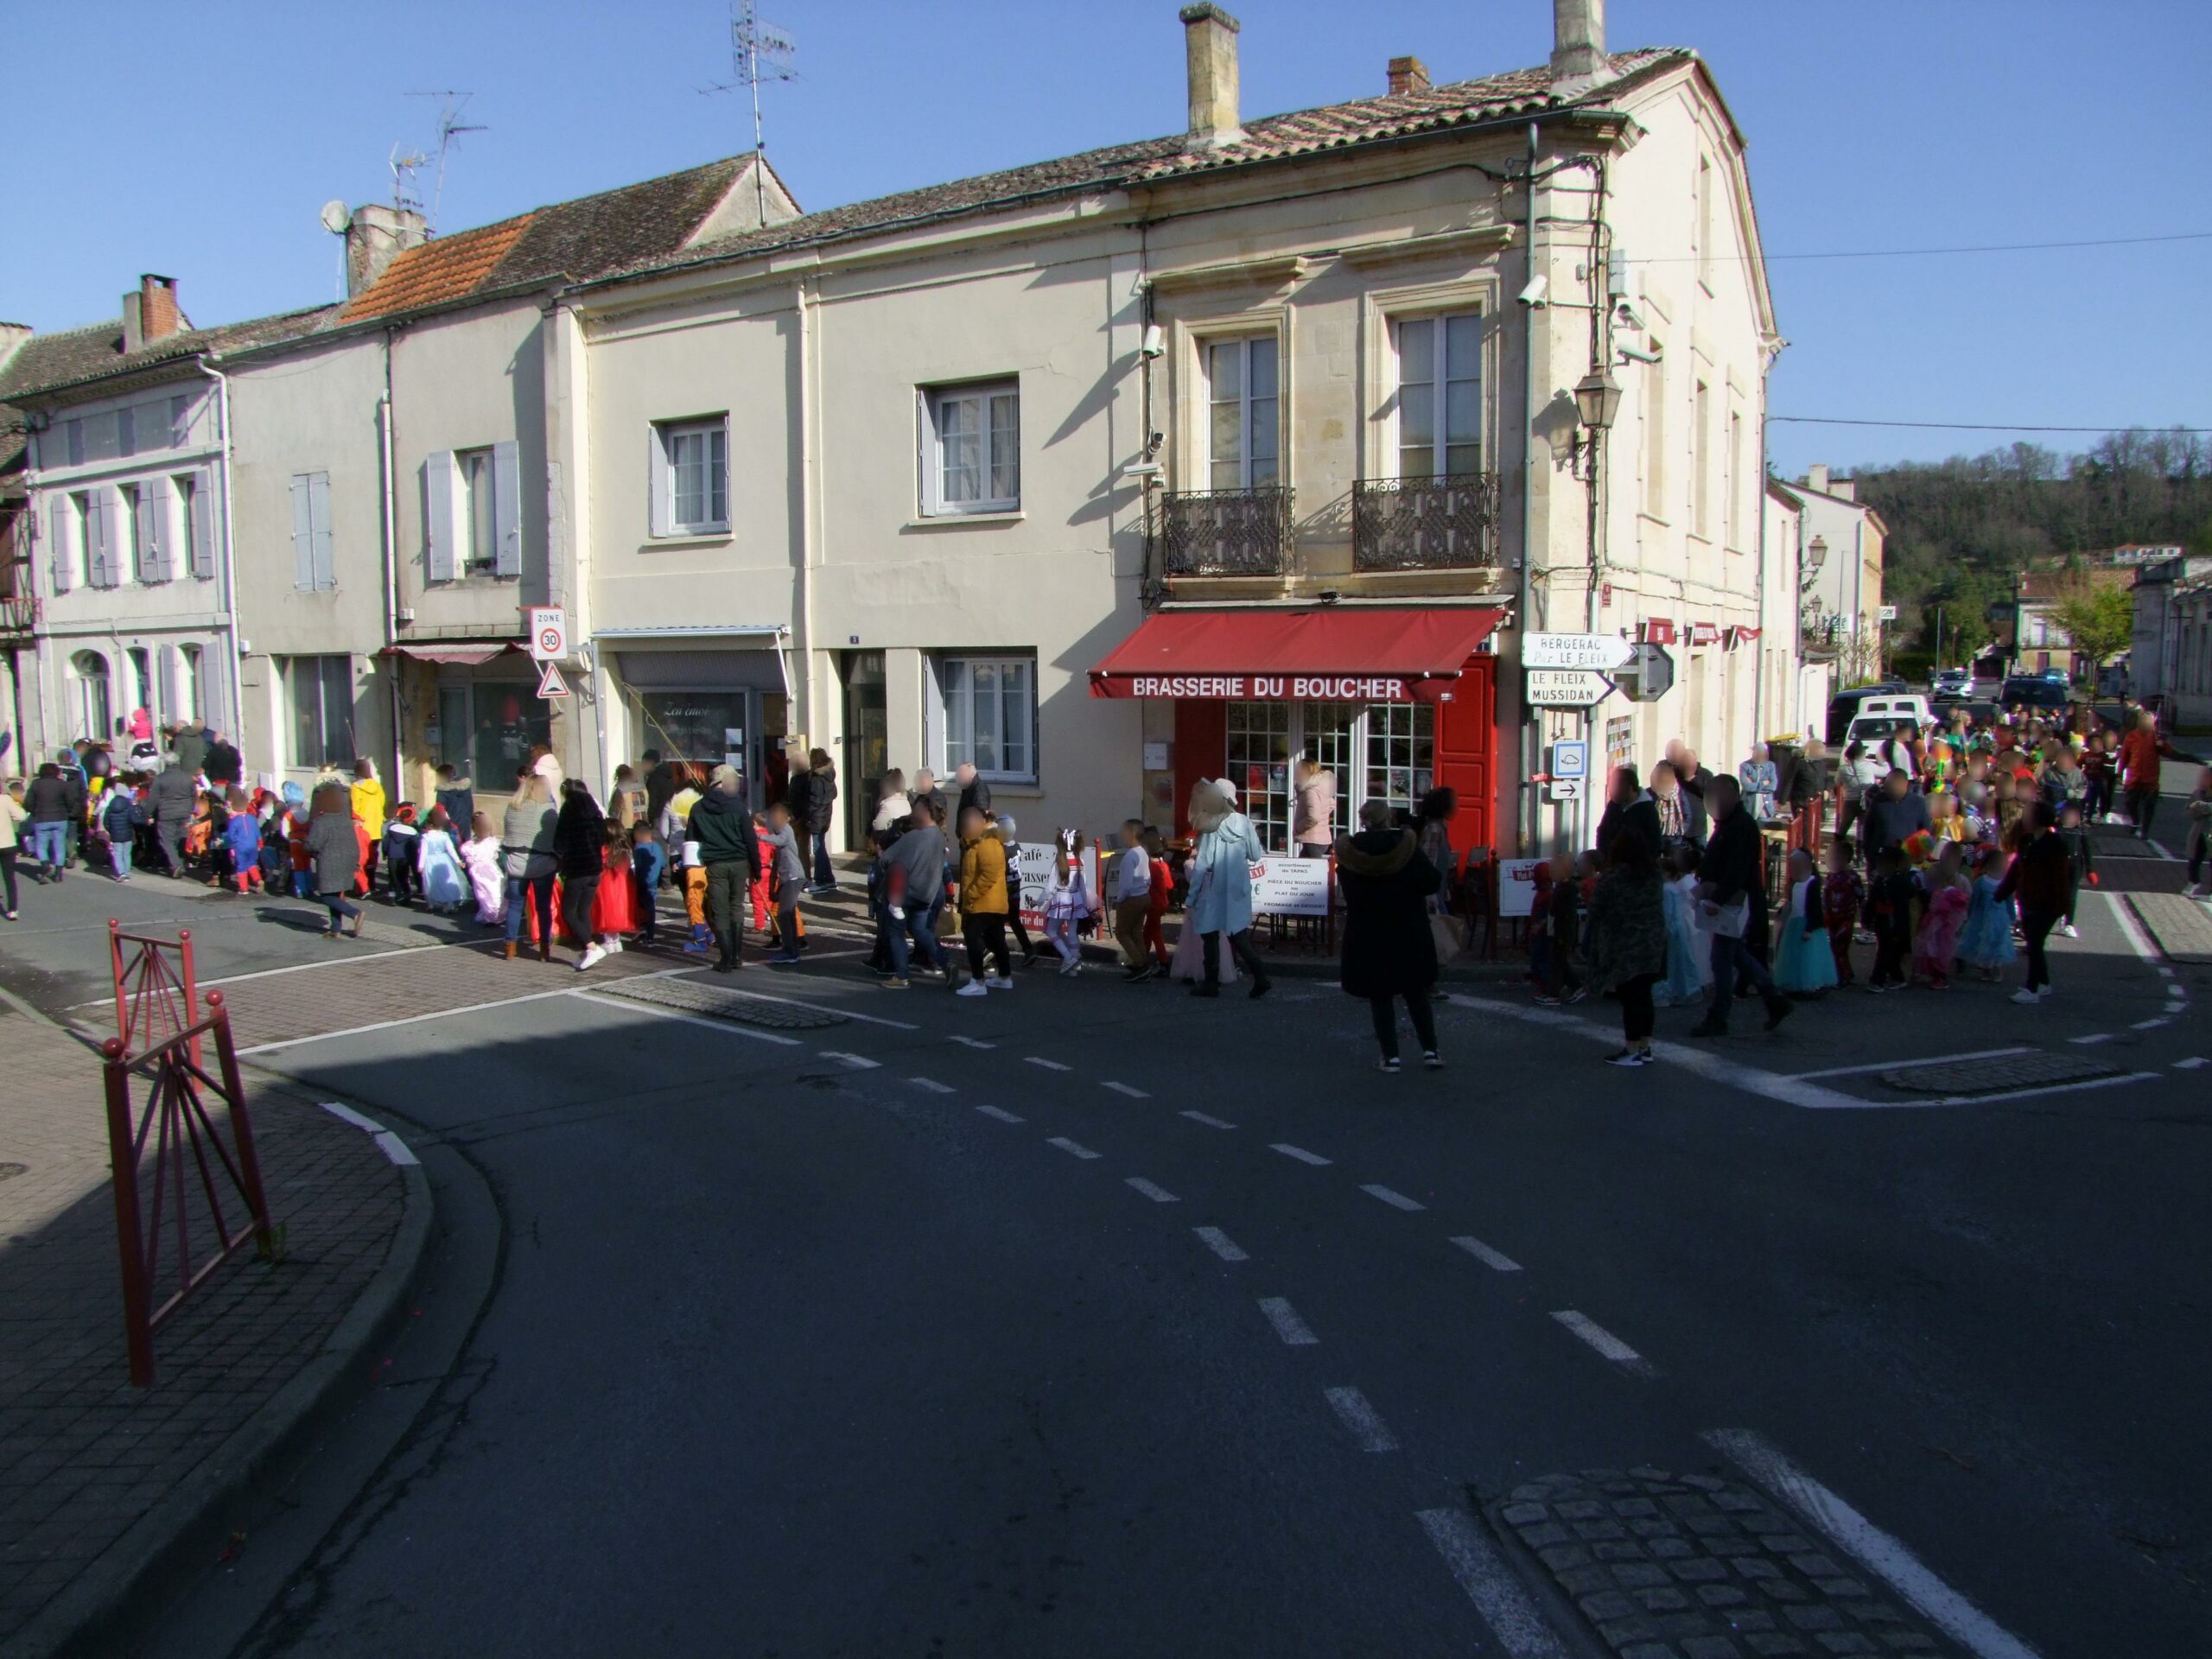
(1565, 687)
(1598, 650)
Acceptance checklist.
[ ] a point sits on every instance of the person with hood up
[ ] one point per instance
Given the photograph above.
(1390, 950)
(729, 852)
(1221, 884)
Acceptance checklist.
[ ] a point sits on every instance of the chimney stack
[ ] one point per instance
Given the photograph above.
(158, 316)
(1407, 75)
(376, 236)
(1578, 40)
(1816, 477)
(1210, 52)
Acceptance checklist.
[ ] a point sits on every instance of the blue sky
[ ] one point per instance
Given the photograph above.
(219, 128)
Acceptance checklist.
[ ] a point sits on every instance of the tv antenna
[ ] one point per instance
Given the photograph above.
(450, 127)
(757, 51)
(405, 163)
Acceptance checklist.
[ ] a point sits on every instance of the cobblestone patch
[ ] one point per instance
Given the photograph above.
(2181, 926)
(1990, 1077)
(1689, 1566)
(715, 1003)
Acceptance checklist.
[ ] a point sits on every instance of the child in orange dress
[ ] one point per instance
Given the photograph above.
(615, 908)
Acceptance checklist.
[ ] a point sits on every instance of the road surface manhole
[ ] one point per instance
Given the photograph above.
(1690, 1565)
(715, 1003)
(2004, 1072)
(7, 1170)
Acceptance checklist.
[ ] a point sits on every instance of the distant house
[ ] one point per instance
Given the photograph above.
(1840, 547)
(2170, 655)
(2038, 640)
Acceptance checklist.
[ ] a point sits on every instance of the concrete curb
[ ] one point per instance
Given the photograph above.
(106, 1607)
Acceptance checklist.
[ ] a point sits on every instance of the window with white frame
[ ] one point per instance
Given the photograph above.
(1243, 423)
(691, 477)
(974, 449)
(480, 540)
(1654, 438)
(1700, 463)
(321, 692)
(1440, 395)
(990, 715)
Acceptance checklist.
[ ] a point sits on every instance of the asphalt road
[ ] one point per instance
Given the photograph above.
(1090, 1319)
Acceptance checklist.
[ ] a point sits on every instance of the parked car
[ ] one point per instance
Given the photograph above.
(1890, 699)
(2033, 691)
(1952, 681)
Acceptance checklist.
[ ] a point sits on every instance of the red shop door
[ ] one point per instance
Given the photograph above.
(1466, 753)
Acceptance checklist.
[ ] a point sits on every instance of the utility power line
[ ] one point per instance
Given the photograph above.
(1917, 253)
(1977, 426)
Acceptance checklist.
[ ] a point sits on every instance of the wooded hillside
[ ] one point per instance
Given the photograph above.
(1960, 528)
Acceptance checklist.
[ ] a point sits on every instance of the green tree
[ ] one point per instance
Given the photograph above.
(2098, 621)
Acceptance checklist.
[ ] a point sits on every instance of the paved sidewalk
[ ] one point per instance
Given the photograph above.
(101, 1485)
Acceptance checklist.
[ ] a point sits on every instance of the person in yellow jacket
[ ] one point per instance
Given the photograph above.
(368, 812)
(983, 904)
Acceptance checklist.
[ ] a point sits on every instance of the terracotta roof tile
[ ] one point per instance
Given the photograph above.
(448, 268)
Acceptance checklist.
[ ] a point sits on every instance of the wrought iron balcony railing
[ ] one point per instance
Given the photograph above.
(19, 613)
(1223, 532)
(1448, 522)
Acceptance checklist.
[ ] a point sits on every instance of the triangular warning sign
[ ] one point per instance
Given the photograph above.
(550, 684)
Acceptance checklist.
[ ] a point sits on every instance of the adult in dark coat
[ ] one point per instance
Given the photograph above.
(580, 848)
(190, 743)
(1733, 871)
(1628, 940)
(224, 765)
(168, 800)
(814, 808)
(663, 779)
(1388, 950)
(1628, 807)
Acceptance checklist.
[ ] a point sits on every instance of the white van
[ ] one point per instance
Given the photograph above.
(1884, 716)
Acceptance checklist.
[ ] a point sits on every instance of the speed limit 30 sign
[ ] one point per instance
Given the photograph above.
(548, 626)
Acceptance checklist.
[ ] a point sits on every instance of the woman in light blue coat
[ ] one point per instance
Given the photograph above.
(1221, 884)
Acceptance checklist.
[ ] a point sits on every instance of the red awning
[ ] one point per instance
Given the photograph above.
(464, 655)
(1332, 655)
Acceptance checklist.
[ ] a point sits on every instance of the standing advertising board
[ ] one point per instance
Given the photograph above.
(1290, 886)
(1516, 885)
(1036, 862)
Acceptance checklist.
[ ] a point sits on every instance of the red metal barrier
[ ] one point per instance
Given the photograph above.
(175, 1120)
(153, 1000)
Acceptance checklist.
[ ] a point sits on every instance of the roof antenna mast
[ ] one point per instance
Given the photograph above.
(757, 51)
(450, 127)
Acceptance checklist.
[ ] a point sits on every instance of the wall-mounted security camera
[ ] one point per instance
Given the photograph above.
(1629, 317)
(1155, 340)
(1637, 353)
(1538, 293)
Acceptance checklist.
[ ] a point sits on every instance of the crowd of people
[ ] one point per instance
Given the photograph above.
(1946, 854)
(1941, 855)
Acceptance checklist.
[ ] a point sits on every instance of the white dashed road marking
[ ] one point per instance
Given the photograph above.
(1050, 1065)
(1124, 1089)
(999, 1113)
(973, 1042)
(2152, 1024)
(1884, 1556)
(2192, 1064)
(858, 1062)
(1157, 1193)
(1299, 1153)
(1395, 1200)
(1490, 1584)
(1605, 1342)
(931, 1084)
(2093, 1037)
(1221, 1244)
(1068, 1146)
(1487, 1257)
(1367, 1426)
(1294, 1331)
(1210, 1123)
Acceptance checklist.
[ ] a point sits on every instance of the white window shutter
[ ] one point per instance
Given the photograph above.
(326, 568)
(441, 516)
(302, 537)
(156, 541)
(180, 421)
(100, 526)
(657, 493)
(203, 523)
(166, 668)
(926, 457)
(58, 520)
(506, 508)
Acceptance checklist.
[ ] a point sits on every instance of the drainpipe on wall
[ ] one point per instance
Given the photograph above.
(1530, 812)
(384, 449)
(809, 545)
(230, 554)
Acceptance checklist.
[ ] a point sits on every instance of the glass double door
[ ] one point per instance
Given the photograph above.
(733, 725)
(1384, 751)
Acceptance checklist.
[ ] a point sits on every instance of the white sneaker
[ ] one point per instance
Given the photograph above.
(614, 947)
(594, 954)
(2027, 998)
(972, 988)
(2069, 931)
(999, 983)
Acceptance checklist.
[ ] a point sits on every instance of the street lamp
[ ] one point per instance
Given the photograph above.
(1597, 400)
